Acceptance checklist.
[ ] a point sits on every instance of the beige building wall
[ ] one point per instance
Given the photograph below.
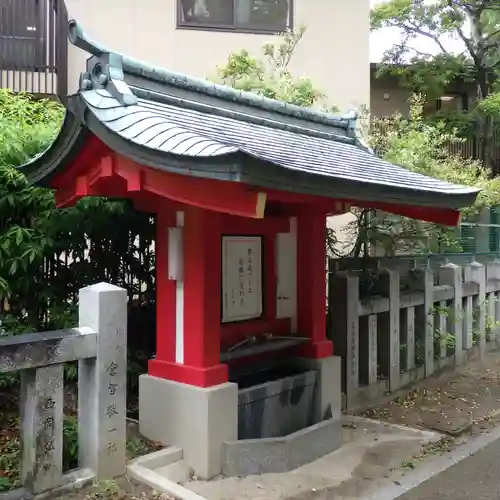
(388, 97)
(389, 100)
(334, 51)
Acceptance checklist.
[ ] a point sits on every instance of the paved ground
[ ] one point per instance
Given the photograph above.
(370, 457)
(475, 477)
(467, 398)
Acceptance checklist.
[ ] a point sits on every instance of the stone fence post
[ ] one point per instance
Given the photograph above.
(451, 275)
(423, 281)
(100, 347)
(344, 328)
(389, 279)
(478, 276)
(102, 382)
(493, 275)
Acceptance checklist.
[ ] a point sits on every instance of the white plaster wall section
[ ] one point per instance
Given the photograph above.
(286, 272)
(176, 272)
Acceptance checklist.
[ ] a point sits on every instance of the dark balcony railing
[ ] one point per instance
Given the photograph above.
(33, 46)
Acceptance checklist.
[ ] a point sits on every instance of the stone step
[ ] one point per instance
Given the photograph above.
(178, 472)
(160, 458)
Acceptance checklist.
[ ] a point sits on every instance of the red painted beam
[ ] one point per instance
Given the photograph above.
(89, 156)
(444, 216)
(219, 196)
(97, 161)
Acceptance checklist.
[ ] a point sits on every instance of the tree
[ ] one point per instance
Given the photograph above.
(421, 146)
(47, 254)
(414, 144)
(271, 76)
(476, 24)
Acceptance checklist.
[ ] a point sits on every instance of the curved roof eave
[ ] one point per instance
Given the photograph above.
(262, 160)
(267, 156)
(69, 140)
(307, 153)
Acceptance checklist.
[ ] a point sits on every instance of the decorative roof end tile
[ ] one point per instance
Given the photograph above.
(104, 68)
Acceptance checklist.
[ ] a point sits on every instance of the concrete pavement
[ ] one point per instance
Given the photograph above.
(472, 471)
(476, 477)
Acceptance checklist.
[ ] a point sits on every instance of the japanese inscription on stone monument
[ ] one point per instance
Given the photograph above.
(113, 407)
(47, 383)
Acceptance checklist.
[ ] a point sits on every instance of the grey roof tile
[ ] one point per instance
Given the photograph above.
(183, 131)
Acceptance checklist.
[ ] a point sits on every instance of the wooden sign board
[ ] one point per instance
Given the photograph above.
(241, 278)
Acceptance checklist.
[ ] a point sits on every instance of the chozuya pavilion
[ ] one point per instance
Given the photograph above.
(241, 186)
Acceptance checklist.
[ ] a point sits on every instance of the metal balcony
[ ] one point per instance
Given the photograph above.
(33, 46)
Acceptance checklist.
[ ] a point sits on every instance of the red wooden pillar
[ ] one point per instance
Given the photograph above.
(202, 298)
(311, 285)
(190, 352)
(165, 291)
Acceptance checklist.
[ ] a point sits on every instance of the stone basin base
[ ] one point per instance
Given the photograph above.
(281, 454)
(277, 407)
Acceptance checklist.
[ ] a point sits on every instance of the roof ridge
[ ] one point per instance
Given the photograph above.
(238, 115)
(143, 69)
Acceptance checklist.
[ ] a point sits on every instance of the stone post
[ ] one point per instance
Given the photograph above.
(493, 277)
(390, 282)
(410, 337)
(468, 311)
(102, 382)
(424, 282)
(352, 356)
(478, 275)
(42, 428)
(451, 274)
(497, 303)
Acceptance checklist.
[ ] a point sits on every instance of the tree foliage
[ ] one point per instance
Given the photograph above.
(48, 254)
(413, 143)
(476, 25)
(422, 147)
(270, 75)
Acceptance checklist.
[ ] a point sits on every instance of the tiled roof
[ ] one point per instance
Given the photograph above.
(183, 131)
(191, 126)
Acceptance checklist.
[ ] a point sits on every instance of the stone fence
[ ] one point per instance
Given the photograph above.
(398, 334)
(99, 344)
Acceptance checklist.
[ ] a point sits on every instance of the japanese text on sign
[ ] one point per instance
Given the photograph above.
(241, 278)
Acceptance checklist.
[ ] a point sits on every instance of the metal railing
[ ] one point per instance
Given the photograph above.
(405, 263)
(33, 46)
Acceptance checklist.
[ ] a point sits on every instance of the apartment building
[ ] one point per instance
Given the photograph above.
(388, 96)
(188, 36)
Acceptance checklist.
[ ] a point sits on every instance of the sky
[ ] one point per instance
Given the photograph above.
(383, 39)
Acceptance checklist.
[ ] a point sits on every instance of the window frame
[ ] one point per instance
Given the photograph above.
(22, 59)
(461, 97)
(233, 28)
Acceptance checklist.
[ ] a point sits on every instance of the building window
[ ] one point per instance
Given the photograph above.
(273, 16)
(453, 101)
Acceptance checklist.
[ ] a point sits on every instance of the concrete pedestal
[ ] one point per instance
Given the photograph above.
(328, 397)
(196, 419)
